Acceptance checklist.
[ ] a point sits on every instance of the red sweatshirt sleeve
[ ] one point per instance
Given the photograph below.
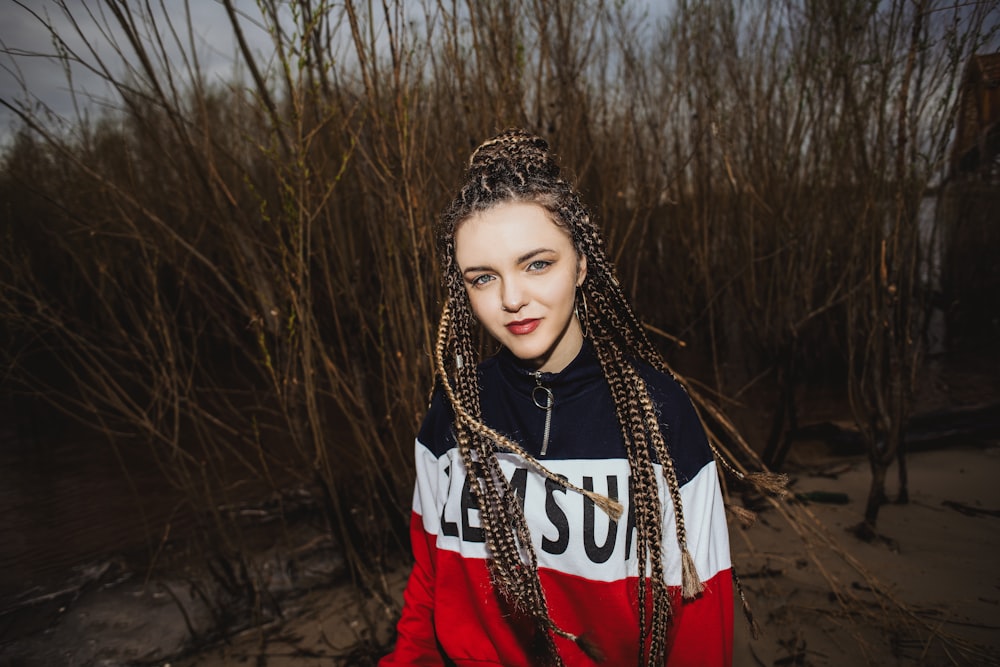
(416, 643)
(703, 628)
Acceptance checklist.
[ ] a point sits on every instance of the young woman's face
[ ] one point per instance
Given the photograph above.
(521, 272)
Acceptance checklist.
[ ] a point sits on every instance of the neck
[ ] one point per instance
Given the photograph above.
(564, 352)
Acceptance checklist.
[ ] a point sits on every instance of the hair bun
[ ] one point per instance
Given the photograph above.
(514, 151)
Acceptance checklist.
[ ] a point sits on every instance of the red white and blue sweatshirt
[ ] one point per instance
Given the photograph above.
(587, 562)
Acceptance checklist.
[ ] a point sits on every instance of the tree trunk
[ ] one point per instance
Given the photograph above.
(876, 497)
(903, 497)
(778, 442)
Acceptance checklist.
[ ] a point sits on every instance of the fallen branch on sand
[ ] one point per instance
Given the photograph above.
(968, 510)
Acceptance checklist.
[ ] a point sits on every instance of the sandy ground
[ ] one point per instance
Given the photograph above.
(936, 570)
(926, 594)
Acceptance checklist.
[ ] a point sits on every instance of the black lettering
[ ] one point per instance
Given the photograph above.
(449, 528)
(598, 553)
(558, 519)
(470, 533)
(519, 484)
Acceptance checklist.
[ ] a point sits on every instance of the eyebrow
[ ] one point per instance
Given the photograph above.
(520, 260)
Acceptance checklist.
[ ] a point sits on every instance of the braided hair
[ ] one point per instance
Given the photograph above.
(516, 166)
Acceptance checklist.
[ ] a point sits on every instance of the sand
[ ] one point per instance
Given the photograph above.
(940, 601)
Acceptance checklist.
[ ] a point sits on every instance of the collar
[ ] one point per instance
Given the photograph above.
(580, 375)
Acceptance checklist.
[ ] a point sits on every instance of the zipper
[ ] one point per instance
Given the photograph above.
(541, 390)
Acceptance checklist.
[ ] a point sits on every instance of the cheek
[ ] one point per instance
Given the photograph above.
(562, 294)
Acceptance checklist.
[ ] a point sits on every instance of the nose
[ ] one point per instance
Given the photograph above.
(511, 296)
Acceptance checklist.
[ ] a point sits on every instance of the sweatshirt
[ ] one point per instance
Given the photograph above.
(587, 562)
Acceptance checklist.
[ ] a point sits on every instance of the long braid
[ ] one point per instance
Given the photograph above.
(637, 415)
(645, 498)
(516, 166)
(470, 421)
(624, 322)
(513, 564)
(614, 319)
(504, 528)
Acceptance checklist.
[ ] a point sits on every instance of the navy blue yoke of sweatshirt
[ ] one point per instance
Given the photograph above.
(584, 424)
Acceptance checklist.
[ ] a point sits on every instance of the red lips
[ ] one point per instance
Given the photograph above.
(522, 327)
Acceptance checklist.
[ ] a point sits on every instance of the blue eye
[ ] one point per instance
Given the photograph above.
(539, 264)
(479, 281)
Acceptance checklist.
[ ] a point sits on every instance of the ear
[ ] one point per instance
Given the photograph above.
(581, 270)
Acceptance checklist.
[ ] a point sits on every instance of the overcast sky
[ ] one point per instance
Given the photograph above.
(27, 48)
(30, 74)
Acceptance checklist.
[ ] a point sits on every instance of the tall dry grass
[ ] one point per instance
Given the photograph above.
(239, 278)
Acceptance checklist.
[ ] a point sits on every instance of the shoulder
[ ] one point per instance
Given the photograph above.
(670, 398)
(679, 420)
(662, 385)
(436, 432)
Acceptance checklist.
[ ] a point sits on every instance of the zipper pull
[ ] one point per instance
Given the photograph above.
(541, 391)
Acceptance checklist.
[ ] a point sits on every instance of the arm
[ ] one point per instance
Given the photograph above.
(416, 641)
(702, 629)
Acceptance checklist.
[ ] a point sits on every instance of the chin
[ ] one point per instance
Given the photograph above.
(532, 357)
(529, 356)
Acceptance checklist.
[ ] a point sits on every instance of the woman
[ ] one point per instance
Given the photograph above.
(549, 472)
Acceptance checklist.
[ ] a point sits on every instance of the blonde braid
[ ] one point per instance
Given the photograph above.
(608, 505)
(502, 522)
(647, 514)
(623, 320)
(614, 320)
(514, 564)
(621, 377)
